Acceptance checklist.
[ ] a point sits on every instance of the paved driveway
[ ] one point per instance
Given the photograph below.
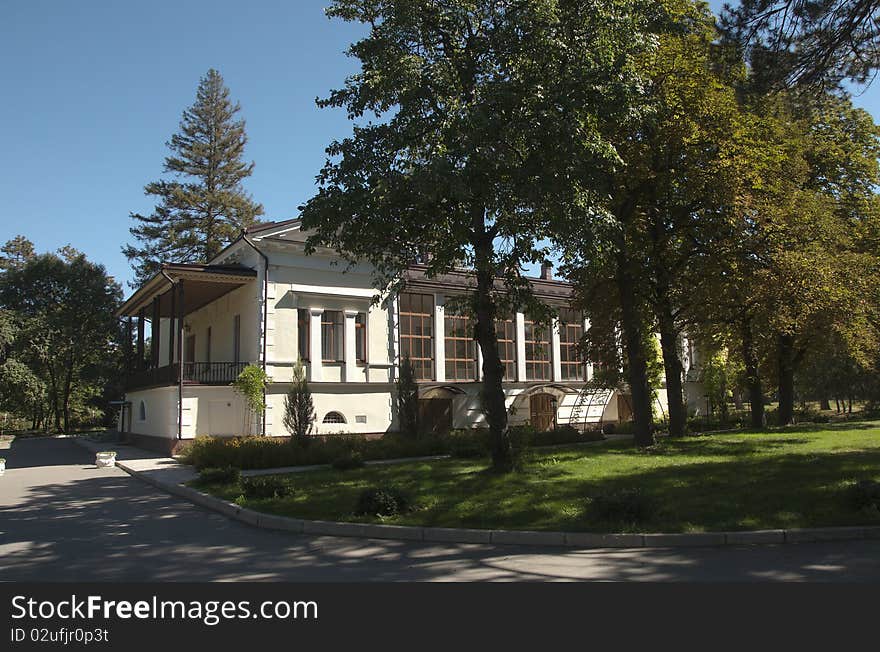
(61, 519)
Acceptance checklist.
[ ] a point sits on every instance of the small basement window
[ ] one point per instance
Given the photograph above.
(334, 417)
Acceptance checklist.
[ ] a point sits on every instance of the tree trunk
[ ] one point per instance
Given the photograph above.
(672, 364)
(824, 404)
(637, 366)
(492, 393)
(786, 379)
(753, 378)
(837, 404)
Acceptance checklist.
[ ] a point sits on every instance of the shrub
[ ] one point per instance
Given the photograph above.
(266, 486)
(621, 506)
(224, 475)
(382, 501)
(865, 494)
(565, 434)
(467, 444)
(348, 460)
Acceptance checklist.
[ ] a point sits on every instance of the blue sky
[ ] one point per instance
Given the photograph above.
(92, 90)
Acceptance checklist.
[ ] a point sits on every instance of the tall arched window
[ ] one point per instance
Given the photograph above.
(334, 417)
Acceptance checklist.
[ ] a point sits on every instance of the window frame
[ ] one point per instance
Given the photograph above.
(408, 313)
(531, 331)
(571, 331)
(336, 338)
(334, 422)
(303, 333)
(361, 338)
(469, 361)
(507, 345)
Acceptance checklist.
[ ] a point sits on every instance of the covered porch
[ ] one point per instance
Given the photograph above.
(165, 301)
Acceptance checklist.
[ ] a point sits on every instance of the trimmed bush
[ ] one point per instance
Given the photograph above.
(266, 486)
(225, 475)
(621, 506)
(382, 501)
(348, 460)
(467, 444)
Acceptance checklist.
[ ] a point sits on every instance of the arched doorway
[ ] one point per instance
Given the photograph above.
(436, 410)
(542, 411)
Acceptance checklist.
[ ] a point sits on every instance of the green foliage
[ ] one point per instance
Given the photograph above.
(468, 444)
(382, 501)
(251, 385)
(61, 311)
(865, 495)
(408, 399)
(266, 486)
(299, 409)
(203, 206)
(630, 506)
(477, 112)
(270, 452)
(348, 460)
(225, 475)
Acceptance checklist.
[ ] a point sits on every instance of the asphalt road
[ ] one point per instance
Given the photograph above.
(61, 519)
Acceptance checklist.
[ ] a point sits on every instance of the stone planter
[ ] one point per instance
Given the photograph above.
(105, 459)
(2, 466)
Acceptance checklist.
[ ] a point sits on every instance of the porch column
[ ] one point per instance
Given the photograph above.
(127, 348)
(351, 371)
(589, 370)
(520, 347)
(556, 350)
(140, 339)
(480, 362)
(180, 314)
(172, 332)
(315, 353)
(439, 338)
(155, 330)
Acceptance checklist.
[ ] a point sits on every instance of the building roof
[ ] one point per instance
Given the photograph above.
(202, 285)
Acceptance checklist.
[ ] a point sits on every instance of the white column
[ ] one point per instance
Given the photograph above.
(480, 364)
(315, 358)
(520, 347)
(439, 338)
(351, 371)
(589, 364)
(555, 351)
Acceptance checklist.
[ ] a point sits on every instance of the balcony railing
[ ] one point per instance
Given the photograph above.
(212, 373)
(194, 373)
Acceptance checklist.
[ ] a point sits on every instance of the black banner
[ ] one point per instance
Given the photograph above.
(232, 615)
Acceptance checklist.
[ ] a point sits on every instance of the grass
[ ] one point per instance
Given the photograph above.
(788, 478)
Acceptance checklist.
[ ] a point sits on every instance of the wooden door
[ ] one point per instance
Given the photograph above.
(541, 411)
(624, 407)
(435, 415)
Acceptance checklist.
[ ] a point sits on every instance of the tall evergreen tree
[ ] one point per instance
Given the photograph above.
(204, 206)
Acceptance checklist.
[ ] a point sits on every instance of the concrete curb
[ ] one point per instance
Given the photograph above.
(582, 540)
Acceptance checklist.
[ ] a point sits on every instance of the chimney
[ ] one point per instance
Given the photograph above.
(547, 271)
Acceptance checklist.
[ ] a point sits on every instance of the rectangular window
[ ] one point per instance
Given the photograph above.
(505, 332)
(461, 350)
(571, 330)
(417, 333)
(360, 337)
(537, 341)
(208, 346)
(332, 336)
(236, 339)
(302, 333)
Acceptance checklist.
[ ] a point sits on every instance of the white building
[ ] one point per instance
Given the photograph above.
(263, 301)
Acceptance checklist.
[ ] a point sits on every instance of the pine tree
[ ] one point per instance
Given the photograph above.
(203, 206)
(299, 410)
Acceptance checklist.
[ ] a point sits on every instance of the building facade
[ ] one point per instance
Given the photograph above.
(264, 301)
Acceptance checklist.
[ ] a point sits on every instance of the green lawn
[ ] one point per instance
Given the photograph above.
(796, 477)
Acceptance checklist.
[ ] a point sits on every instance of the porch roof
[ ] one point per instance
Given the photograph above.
(202, 285)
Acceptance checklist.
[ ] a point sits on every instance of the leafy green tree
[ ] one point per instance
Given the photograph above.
(299, 409)
(16, 252)
(65, 311)
(203, 206)
(467, 94)
(408, 399)
(251, 386)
